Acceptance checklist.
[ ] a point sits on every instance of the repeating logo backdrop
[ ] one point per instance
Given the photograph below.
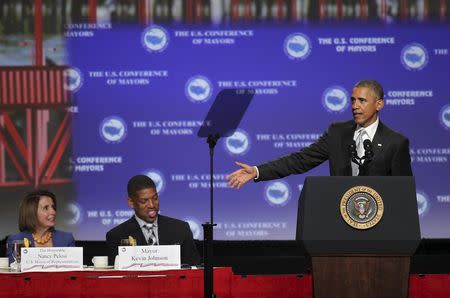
(141, 102)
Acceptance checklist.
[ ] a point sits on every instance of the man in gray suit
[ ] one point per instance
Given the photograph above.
(390, 149)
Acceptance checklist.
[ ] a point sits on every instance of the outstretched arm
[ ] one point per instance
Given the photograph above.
(238, 178)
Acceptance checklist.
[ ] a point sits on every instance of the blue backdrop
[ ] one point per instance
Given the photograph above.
(141, 94)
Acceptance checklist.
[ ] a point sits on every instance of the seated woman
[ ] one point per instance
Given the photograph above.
(37, 219)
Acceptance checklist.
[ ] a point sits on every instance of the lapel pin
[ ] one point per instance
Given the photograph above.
(379, 145)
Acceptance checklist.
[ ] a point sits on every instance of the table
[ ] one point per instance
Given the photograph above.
(183, 283)
(173, 283)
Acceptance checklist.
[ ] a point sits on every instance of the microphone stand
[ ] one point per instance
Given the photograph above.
(363, 161)
(368, 155)
(354, 155)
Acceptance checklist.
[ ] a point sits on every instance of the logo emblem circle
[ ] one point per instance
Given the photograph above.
(361, 207)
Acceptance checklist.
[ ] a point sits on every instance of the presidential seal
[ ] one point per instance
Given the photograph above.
(361, 207)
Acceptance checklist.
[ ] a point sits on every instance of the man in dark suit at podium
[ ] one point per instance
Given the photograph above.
(389, 149)
(147, 227)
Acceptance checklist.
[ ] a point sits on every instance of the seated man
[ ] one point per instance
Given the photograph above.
(148, 227)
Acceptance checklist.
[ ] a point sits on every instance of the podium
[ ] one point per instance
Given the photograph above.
(360, 233)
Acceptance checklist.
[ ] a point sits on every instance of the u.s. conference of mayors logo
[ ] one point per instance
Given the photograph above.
(361, 207)
(73, 79)
(335, 99)
(72, 214)
(297, 46)
(277, 193)
(158, 178)
(444, 116)
(414, 56)
(422, 203)
(113, 129)
(195, 227)
(198, 89)
(238, 143)
(155, 39)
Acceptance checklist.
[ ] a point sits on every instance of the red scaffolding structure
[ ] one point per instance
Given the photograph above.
(34, 90)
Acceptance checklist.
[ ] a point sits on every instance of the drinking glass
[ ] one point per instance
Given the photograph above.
(16, 246)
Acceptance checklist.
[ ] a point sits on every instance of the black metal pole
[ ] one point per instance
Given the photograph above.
(208, 228)
(212, 141)
(208, 273)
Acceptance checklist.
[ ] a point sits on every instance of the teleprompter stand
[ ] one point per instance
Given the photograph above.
(222, 120)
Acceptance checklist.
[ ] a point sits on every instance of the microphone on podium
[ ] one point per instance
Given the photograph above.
(353, 154)
(362, 161)
(368, 151)
(368, 155)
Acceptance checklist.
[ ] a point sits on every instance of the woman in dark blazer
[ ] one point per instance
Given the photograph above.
(37, 220)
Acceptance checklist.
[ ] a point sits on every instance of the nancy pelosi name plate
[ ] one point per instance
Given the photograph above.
(154, 257)
(51, 259)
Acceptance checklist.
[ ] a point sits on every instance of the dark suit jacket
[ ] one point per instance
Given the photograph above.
(170, 231)
(59, 238)
(391, 154)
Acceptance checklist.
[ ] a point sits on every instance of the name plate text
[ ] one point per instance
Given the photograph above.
(154, 257)
(51, 259)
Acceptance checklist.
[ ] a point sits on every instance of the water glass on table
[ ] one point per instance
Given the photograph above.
(16, 246)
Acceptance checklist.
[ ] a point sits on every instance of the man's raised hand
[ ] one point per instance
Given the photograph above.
(239, 177)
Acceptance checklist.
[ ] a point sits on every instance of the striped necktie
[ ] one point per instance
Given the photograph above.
(152, 238)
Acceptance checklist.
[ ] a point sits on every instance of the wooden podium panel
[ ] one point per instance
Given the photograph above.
(360, 276)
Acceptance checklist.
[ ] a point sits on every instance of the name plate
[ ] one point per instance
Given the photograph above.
(51, 259)
(153, 257)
